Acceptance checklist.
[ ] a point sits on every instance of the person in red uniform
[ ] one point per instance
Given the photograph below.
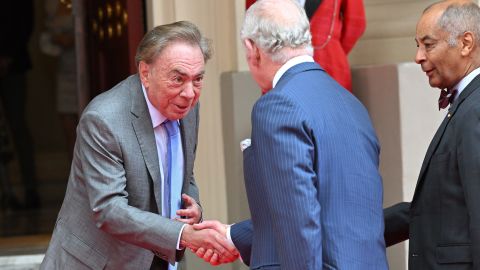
(336, 25)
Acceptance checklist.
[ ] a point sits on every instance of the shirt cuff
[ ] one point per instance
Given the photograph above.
(229, 237)
(180, 237)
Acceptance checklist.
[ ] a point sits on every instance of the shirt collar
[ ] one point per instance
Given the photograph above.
(465, 81)
(157, 117)
(301, 2)
(290, 63)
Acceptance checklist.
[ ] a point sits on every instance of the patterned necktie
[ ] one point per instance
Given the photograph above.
(172, 130)
(446, 97)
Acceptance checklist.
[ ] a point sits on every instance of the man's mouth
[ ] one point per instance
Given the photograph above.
(182, 108)
(429, 72)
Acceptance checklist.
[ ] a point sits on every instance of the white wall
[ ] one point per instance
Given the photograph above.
(390, 33)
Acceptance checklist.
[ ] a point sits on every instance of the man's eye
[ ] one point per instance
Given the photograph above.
(178, 79)
(197, 82)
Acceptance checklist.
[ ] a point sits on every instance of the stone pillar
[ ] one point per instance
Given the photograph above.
(404, 111)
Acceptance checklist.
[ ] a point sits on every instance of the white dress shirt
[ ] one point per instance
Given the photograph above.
(465, 81)
(290, 63)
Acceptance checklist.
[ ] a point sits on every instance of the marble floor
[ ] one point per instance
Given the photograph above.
(21, 262)
(23, 252)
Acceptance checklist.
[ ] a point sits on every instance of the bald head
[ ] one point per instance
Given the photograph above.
(456, 17)
(447, 38)
(278, 27)
(442, 5)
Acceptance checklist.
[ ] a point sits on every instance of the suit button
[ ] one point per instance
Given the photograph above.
(414, 255)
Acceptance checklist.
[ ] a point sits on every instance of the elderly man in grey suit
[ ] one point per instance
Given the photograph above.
(131, 198)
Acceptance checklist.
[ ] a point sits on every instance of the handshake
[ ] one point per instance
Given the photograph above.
(208, 240)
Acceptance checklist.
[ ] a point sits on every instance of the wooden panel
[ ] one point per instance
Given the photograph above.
(114, 29)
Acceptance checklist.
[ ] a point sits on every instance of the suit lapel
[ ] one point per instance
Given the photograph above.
(186, 126)
(142, 125)
(474, 85)
(431, 149)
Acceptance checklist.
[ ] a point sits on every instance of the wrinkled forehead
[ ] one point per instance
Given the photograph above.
(428, 26)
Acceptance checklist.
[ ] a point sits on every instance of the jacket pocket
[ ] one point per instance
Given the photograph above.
(247, 153)
(461, 253)
(439, 158)
(82, 252)
(268, 267)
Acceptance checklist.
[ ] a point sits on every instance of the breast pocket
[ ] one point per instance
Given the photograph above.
(247, 153)
(248, 164)
(441, 158)
(461, 253)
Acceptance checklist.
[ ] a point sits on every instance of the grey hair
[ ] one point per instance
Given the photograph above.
(273, 27)
(161, 36)
(459, 18)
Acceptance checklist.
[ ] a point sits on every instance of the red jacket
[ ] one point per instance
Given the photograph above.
(344, 21)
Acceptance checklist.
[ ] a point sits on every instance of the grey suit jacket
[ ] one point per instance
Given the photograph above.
(110, 215)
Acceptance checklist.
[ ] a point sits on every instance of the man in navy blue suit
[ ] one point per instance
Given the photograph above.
(311, 171)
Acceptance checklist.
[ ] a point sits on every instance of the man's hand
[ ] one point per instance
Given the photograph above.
(192, 213)
(207, 254)
(216, 245)
(212, 224)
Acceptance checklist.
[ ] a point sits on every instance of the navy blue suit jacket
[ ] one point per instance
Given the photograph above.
(312, 180)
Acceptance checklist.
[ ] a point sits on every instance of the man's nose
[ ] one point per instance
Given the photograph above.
(419, 56)
(188, 91)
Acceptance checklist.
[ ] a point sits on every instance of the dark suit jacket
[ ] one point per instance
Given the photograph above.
(311, 176)
(443, 219)
(110, 215)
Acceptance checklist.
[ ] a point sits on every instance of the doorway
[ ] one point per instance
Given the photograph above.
(102, 36)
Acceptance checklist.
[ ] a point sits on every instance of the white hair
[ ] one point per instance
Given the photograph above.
(459, 18)
(279, 30)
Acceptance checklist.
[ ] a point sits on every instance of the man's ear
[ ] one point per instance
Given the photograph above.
(253, 52)
(144, 73)
(248, 44)
(467, 42)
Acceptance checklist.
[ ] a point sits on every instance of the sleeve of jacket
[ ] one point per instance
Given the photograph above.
(469, 167)
(397, 220)
(284, 152)
(354, 23)
(241, 234)
(105, 180)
